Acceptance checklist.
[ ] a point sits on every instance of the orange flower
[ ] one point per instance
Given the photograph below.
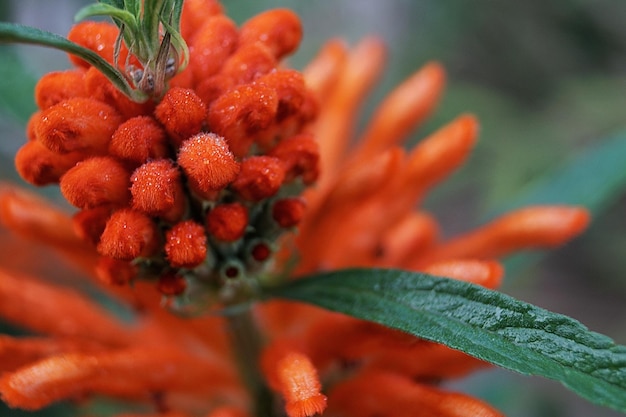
(202, 234)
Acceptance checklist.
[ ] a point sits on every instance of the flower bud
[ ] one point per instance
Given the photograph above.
(97, 181)
(260, 177)
(300, 154)
(157, 190)
(185, 245)
(129, 234)
(182, 113)
(280, 30)
(139, 139)
(227, 222)
(77, 124)
(208, 163)
(56, 87)
(288, 212)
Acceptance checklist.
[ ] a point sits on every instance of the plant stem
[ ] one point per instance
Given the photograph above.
(246, 345)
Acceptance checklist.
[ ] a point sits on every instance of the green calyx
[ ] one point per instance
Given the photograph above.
(151, 31)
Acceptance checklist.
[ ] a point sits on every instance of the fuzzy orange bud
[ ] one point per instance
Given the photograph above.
(129, 234)
(212, 44)
(208, 163)
(56, 87)
(171, 284)
(96, 181)
(213, 87)
(100, 37)
(300, 154)
(249, 62)
(90, 223)
(115, 272)
(291, 91)
(227, 222)
(195, 13)
(280, 30)
(260, 177)
(300, 386)
(139, 139)
(38, 165)
(288, 212)
(185, 245)
(182, 113)
(77, 124)
(158, 190)
(241, 113)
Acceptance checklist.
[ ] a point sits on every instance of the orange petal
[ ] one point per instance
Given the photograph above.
(17, 352)
(322, 72)
(486, 273)
(376, 393)
(337, 118)
(55, 310)
(294, 376)
(526, 228)
(407, 106)
(438, 155)
(134, 373)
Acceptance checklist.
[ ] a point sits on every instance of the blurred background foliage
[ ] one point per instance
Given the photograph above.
(547, 79)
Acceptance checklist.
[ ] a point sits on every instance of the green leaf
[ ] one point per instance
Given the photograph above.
(10, 32)
(100, 9)
(482, 323)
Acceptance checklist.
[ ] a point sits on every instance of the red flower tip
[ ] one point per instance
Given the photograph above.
(56, 87)
(300, 154)
(38, 165)
(96, 181)
(157, 190)
(100, 37)
(241, 113)
(300, 386)
(261, 252)
(139, 139)
(77, 124)
(279, 29)
(185, 245)
(211, 45)
(288, 212)
(208, 163)
(171, 284)
(260, 177)
(182, 113)
(129, 234)
(90, 223)
(249, 62)
(227, 222)
(115, 272)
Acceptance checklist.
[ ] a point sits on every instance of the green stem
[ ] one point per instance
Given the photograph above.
(246, 345)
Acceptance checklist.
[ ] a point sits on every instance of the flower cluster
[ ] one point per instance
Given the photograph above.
(195, 190)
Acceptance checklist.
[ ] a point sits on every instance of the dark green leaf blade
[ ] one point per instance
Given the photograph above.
(482, 323)
(14, 33)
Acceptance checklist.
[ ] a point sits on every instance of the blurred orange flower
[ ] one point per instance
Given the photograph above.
(192, 200)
